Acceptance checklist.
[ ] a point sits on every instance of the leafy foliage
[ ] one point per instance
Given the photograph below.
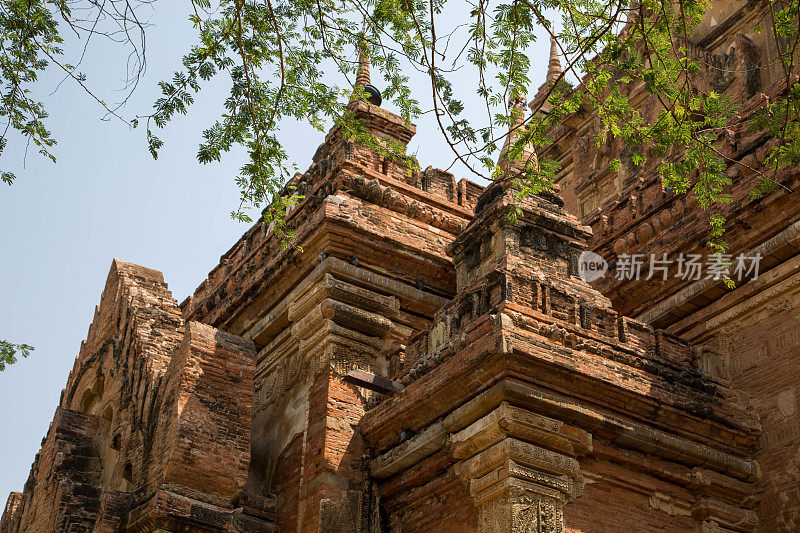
(296, 59)
(275, 56)
(31, 37)
(9, 353)
(279, 56)
(28, 32)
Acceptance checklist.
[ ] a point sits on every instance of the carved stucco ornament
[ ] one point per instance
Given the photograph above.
(521, 487)
(714, 516)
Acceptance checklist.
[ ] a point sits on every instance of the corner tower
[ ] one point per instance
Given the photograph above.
(530, 405)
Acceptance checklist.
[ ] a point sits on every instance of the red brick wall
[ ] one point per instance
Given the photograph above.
(442, 505)
(604, 507)
(207, 416)
(764, 363)
(285, 484)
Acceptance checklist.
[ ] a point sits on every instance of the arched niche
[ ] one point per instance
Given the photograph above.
(92, 396)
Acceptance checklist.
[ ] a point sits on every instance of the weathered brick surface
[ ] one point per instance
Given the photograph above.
(67, 496)
(523, 398)
(287, 479)
(10, 510)
(205, 441)
(743, 337)
(536, 366)
(154, 410)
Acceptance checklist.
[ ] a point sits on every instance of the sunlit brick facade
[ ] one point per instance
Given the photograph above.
(422, 363)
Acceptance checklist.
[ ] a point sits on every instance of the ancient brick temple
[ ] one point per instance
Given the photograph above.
(427, 363)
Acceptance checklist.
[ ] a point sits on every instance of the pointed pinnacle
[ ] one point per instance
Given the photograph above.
(362, 77)
(554, 69)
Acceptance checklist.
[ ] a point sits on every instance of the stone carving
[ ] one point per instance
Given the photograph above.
(343, 363)
(728, 333)
(781, 304)
(269, 389)
(552, 521)
(495, 516)
(526, 520)
(372, 191)
(521, 514)
(294, 370)
(711, 514)
(438, 336)
(520, 487)
(713, 365)
(560, 483)
(342, 516)
(740, 65)
(289, 370)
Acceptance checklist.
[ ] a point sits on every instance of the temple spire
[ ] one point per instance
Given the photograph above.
(554, 69)
(362, 76)
(554, 72)
(371, 94)
(516, 108)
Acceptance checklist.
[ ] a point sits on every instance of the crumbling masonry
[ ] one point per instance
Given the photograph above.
(427, 364)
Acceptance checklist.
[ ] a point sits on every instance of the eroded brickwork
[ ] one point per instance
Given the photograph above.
(419, 362)
(745, 337)
(564, 402)
(153, 429)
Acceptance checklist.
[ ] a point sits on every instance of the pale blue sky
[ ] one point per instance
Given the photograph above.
(105, 197)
